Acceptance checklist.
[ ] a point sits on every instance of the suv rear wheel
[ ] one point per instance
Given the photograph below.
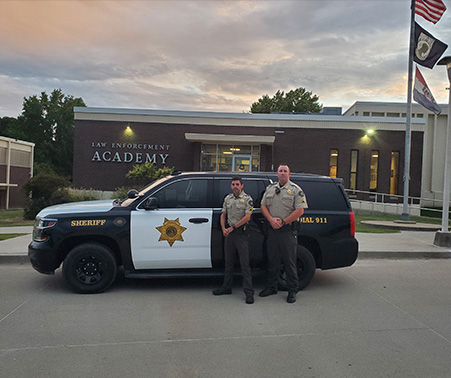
(306, 265)
(89, 268)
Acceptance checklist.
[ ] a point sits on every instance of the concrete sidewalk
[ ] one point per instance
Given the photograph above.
(15, 250)
(403, 245)
(406, 244)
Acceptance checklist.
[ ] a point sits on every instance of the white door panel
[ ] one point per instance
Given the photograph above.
(171, 238)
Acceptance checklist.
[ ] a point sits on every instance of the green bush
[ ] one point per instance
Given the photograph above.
(77, 195)
(143, 174)
(46, 189)
(120, 192)
(36, 204)
(45, 184)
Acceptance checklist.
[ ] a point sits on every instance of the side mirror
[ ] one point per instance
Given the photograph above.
(133, 193)
(151, 203)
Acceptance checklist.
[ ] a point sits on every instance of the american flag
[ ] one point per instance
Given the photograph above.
(430, 10)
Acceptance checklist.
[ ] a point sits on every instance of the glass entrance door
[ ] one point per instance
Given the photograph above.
(242, 163)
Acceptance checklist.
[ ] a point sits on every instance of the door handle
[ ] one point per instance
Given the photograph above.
(198, 220)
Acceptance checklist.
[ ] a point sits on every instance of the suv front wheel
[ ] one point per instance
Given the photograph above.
(89, 268)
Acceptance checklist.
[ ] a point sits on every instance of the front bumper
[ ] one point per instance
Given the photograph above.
(42, 257)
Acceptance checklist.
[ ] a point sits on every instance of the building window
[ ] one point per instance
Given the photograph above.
(394, 172)
(374, 164)
(228, 158)
(354, 167)
(333, 163)
(3, 152)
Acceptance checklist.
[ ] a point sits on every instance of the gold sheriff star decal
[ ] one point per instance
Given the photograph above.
(171, 231)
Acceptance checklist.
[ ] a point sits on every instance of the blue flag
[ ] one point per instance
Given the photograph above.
(428, 49)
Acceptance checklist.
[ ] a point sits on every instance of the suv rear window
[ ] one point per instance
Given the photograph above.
(323, 195)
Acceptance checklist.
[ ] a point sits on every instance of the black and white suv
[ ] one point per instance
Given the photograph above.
(172, 227)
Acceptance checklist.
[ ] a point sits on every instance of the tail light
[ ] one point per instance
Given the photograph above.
(352, 219)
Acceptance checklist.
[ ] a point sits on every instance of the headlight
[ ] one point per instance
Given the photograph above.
(40, 227)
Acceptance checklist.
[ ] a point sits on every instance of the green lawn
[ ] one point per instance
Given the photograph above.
(9, 236)
(364, 216)
(12, 218)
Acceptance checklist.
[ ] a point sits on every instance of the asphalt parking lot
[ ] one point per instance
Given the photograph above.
(378, 318)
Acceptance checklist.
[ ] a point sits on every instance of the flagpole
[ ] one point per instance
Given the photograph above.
(405, 206)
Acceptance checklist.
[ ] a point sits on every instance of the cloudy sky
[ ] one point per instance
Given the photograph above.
(209, 55)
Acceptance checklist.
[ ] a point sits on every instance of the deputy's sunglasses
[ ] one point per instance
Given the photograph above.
(277, 190)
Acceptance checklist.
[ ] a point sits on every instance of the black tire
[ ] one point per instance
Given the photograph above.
(306, 269)
(89, 268)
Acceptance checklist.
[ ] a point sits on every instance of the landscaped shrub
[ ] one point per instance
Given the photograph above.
(45, 189)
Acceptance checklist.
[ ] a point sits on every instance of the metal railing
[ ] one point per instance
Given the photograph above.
(393, 200)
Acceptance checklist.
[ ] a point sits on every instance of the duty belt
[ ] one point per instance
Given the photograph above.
(293, 226)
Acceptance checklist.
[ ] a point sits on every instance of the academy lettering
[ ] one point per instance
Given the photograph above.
(131, 146)
(140, 146)
(129, 157)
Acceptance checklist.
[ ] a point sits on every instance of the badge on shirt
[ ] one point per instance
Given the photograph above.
(289, 191)
(242, 200)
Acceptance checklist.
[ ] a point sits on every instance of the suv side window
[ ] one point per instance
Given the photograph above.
(184, 193)
(255, 188)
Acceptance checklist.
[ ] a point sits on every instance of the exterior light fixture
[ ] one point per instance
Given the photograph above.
(368, 133)
(128, 132)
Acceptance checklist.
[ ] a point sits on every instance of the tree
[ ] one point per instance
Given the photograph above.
(295, 101)
(48, 121)
(7, 126)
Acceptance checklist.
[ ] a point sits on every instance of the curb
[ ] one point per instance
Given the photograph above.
(403, 255)
(397, 255)
(14, 259)
(393, 225)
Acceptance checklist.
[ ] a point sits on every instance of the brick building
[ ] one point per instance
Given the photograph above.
(366, 152)
(16, 168)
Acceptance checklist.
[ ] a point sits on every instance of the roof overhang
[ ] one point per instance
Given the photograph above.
(229, 139)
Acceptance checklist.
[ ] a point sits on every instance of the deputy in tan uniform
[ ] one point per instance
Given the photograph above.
(236, 213)
(282, 205)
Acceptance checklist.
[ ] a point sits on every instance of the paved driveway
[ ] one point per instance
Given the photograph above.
(378, 318)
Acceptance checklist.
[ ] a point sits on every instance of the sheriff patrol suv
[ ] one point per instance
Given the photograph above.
(172, 227)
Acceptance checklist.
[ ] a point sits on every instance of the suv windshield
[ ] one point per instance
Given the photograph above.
(126, 202)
